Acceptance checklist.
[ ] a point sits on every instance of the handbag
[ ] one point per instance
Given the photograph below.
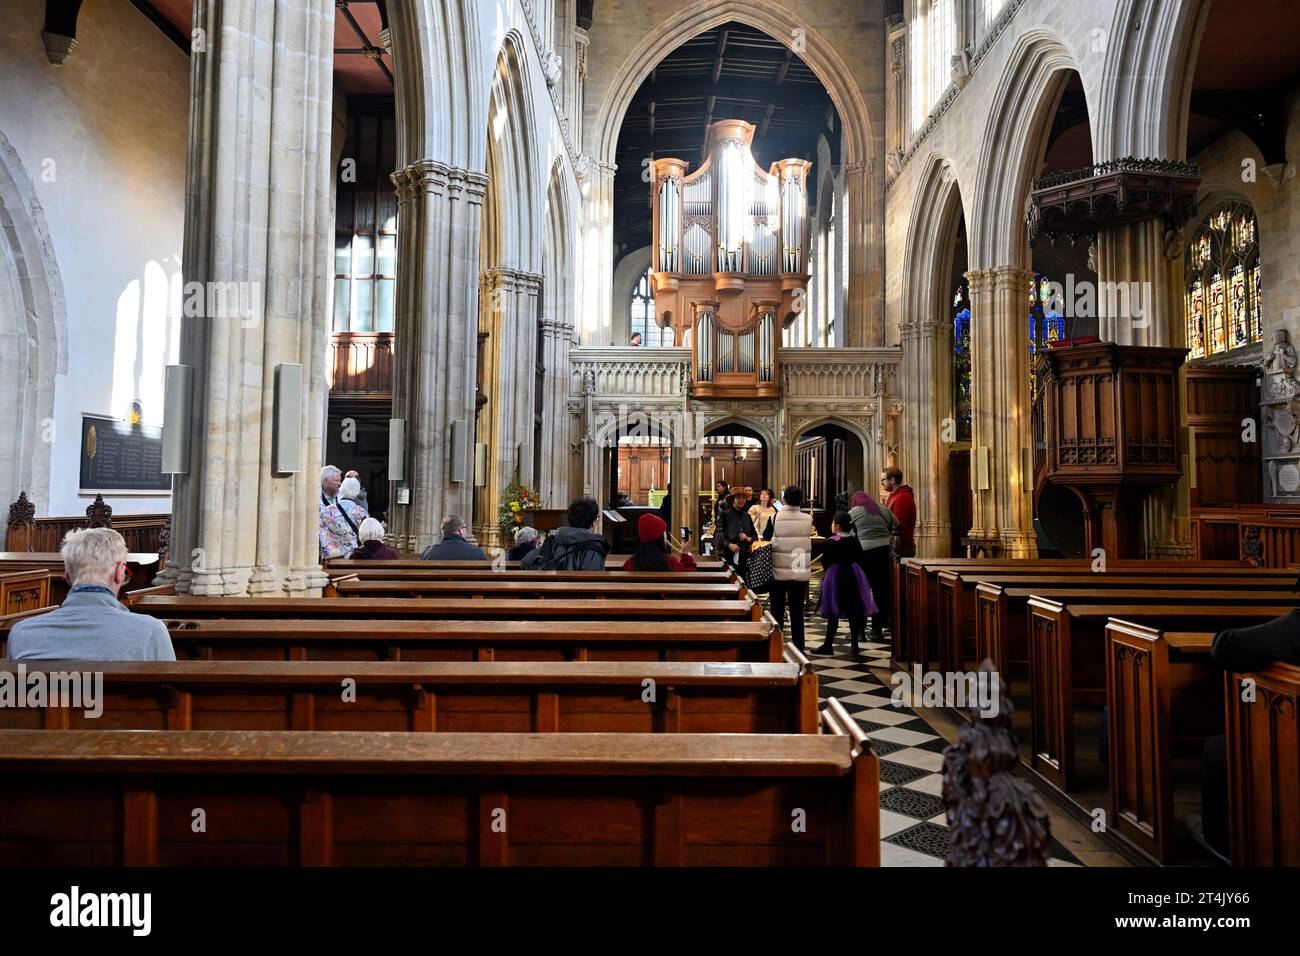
(758, 570)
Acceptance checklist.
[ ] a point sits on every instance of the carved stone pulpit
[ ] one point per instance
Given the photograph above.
(1108, 427)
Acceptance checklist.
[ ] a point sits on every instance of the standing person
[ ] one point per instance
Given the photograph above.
(845, 591)
(92, 624)
(362, 498)
(335, 536)
(791, 562)
(761, 515)
(873, 524)
(723, 500)
(902, 502)
(349, 501)
(575, 548)
(735, 533)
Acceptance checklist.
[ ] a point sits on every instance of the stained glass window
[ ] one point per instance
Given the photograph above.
(961, 361)
(1223, 302)
(643, 316)
(1046, 324)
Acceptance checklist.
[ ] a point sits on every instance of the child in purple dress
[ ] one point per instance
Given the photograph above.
(845, 592)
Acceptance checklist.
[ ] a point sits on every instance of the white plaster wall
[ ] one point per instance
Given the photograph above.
(103, 139)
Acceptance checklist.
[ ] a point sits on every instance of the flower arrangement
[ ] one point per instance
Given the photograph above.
(515, 501)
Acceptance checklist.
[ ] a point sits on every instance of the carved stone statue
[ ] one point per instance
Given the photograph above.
(1282, 355)
(995, 818)
(551, 63)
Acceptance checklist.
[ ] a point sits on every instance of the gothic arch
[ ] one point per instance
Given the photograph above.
(511, 233)
(1013, 145)
(773, 18)
(936, 210)
(33, 331)
(1146, 84)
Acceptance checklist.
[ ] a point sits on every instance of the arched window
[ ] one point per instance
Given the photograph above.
(643, 316)
(961, 364)
(1046, 325)
(1222, 299)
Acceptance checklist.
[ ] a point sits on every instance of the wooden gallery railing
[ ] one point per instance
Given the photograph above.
(147, 534)
(1267, 536)
(361, 364)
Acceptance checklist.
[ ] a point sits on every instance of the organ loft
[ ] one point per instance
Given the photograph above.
(730, 260)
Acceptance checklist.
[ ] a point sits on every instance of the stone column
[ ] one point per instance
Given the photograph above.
(863, 322)
(557, 333)
(508, 314)
(1139, 302)
(436, 342)
(258, 240)
(1000, 426)
(926, 386)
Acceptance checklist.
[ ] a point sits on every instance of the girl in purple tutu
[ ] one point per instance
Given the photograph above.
(845, 592)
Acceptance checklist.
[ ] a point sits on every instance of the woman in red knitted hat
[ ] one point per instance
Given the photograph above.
(652, 553)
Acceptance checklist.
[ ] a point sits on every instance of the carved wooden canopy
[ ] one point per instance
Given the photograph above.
(1116, 193)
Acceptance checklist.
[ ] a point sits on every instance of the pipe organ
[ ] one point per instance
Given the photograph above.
(730, 260)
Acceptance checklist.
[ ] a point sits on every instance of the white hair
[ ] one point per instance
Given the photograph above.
(89, 554)
(372, 529)
(525, 534)
(329, 471)
(350, 488)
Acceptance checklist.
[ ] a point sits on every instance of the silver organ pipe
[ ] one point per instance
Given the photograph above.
(745, 341)
(704, 348)
(726, 351)
(733, 202)
(766, 346)
(670, 226)
(792, 212)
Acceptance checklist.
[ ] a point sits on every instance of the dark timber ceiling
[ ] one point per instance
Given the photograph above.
(360, 65)
(732, 72)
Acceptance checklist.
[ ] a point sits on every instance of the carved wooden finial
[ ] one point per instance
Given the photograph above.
(22, 511)
(164, 540)
(995, 818)
(99, 514)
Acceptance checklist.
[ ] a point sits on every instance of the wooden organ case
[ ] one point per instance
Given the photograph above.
(730, 261)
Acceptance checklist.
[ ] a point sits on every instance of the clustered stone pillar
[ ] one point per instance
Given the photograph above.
(864, 325)
(926, 387)
(258, 225)
(1139, 302)
(556, 457)
(1000, 427)
(434, 375)
(509, 316)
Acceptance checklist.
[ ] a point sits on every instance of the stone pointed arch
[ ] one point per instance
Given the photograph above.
(556, 318)
(1013, 145)
(937, 212)
(33, 332)
(511, 228)
(1146, 85)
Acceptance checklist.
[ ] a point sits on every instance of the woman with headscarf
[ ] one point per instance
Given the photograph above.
(873, 523)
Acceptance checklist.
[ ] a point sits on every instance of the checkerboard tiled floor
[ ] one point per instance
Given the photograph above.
(913, 824)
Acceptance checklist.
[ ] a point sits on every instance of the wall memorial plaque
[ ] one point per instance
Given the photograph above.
(121, 457)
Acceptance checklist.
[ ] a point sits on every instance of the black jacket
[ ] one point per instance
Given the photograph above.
(1255, 647)
(731, 525)
(569, 549)
(453, 548)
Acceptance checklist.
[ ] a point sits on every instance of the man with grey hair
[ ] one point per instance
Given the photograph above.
(330, 479)
(453, 546)
(92, 624)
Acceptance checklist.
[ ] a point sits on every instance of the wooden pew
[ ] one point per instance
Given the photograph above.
(917, 589)
(274, 798)
(431, 609)
(519, 697)
(613, 562)
(24, 590)
(282, 639)
(1264, 767)
(489, 587)
(1067, 664)
(1164, 695)
(445, 571)
(143, 565)
(1000, 619)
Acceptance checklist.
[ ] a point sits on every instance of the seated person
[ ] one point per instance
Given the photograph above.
(652, 553)
(575, 548)
(525, 544)
(453, 546)
(92, 624)
(1237, 649)
(372, 548)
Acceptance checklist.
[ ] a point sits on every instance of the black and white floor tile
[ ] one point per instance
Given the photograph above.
(913, 823)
